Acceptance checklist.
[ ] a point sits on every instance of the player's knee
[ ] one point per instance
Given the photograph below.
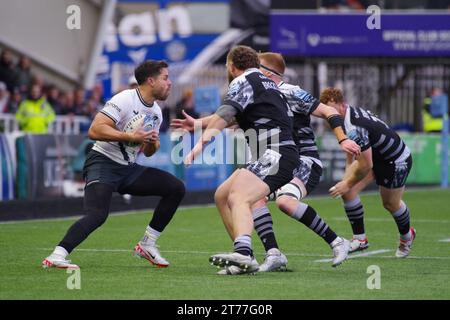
(235, 198)
(178, 189)
(220, 197)
(283, 203)
(391, 206)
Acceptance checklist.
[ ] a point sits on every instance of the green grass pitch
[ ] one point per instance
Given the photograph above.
(109, 271)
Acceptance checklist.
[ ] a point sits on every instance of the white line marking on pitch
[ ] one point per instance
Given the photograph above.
(365, 254)
(445, 240)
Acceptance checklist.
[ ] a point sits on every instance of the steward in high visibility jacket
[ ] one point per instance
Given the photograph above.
(430, 123)
(35, 113)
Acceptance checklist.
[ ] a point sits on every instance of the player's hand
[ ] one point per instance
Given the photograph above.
(339, 189)
(187, 123)
(154, 137)
(351, 147)
(141, 136)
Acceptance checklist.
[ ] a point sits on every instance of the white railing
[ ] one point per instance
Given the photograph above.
(61, 125)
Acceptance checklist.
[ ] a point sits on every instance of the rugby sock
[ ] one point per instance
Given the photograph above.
(355, 214)
(401, 217)
(150, 236)
(60, 251)
(309, 217)
(263, 224)
(243, 245)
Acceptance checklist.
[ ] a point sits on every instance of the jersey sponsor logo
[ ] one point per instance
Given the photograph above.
(113, 105)
(302, 95)
(353, 135)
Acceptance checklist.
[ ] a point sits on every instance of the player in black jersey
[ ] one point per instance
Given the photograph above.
(307, 176)
(385, 158)
(255, 103)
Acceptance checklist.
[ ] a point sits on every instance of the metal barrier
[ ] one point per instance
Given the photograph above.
(61, 125)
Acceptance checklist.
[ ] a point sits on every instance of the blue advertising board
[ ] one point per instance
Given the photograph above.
(348, 34)
(163, 30)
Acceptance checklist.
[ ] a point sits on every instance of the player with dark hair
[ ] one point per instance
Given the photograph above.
(385, 158)
(128, 122)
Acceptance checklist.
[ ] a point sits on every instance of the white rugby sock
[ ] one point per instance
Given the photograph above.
(150, 236)
(60, 251)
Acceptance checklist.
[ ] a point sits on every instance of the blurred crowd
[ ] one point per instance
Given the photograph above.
(19, 86)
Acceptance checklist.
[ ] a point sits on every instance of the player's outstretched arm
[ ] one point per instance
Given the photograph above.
(103, 128)
(224, 116)
(189, 123)
(337, 125)
(354, 173)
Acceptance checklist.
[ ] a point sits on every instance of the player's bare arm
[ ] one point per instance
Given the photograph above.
(336, 123)
(189, 123)
(223, 117)
(103, 128)
(355, 172)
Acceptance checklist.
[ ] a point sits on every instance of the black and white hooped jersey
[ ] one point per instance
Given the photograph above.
(302, 104)
(129, 112)
(261, 106)
(368, 131)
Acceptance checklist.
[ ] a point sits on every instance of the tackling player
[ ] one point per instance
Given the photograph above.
(256, 104)
(128, 122)
(385, 158)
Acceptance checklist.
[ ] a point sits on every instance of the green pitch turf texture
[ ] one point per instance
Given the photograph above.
(109, 271)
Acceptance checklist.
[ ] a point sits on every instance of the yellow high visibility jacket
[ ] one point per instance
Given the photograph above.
(35, 116)
(430, 124)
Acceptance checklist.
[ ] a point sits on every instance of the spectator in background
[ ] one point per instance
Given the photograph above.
(53, 97)
(14, 101)
(79, 101)
(23, 76)
(7, 73)
(4, 98)
(187, 104)
(431, 119)
(67, 103)
(35, 114)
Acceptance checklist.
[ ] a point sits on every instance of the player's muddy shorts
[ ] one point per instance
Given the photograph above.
(392, 174)
(276, 167)
(309, 172)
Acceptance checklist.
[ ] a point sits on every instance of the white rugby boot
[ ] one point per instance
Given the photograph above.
(358, 245)
(340, 248)
(404, 247)
(150, 253)
(57, 261)
(224, 260)
(274, 261)
(234, 270)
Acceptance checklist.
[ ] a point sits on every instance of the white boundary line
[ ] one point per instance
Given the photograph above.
(365, 254)
(445, 240)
